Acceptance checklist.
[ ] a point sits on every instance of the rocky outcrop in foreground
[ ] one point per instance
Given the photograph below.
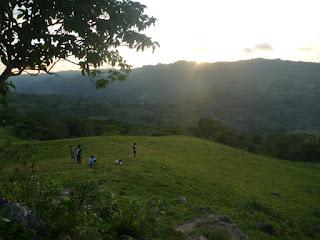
(209, 222)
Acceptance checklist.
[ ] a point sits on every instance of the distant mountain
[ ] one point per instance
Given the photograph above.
(254, 94)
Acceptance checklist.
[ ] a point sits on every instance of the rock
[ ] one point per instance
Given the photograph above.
(127, 237)
(197, 222)
(5, 220)
(266, 228)
(183, 200)
(211, 221)
(22, 215)
(66, 194)
(224, 218)
(67, 237)
(203, 210)
(275, 194)
(197, 237)
(317, 229)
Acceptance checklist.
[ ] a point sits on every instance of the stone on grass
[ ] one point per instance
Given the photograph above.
(127, 237)
(183, 200)
(19, 214)
(266, 228)
(317, 229)
(196, 237)
(210, 222)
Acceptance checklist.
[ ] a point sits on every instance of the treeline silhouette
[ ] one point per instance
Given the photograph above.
(296, 145)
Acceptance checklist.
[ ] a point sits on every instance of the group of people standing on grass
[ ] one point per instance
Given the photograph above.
(76, 154)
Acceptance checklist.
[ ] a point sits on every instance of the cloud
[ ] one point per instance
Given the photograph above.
(304, 49)
(248, 50)
(263, 47)
(259, 47)
(202, 50)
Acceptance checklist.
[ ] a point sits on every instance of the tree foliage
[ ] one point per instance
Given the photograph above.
(36, 34)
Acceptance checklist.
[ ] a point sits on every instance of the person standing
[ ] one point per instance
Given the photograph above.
(134, 150)
(78, 153)
(72, 153)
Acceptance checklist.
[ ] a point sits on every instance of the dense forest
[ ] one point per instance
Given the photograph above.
(252, 96)
(54, 117)
(43, 117)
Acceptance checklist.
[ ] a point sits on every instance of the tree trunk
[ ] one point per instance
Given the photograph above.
(4, 89)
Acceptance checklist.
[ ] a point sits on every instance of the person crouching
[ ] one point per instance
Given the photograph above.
(92, 161)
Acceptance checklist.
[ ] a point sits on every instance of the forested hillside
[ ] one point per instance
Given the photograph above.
(252, 95)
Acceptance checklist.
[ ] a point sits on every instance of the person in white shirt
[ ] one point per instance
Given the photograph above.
(92, 161)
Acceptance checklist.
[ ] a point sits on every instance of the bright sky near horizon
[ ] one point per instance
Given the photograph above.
(229, 30)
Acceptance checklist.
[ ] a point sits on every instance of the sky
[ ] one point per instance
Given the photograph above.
(229, 30)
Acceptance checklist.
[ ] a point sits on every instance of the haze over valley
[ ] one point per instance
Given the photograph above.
(250, 95)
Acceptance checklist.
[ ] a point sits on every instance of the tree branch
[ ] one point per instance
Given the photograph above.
(17, 73)
(57, 22)
(71, 61)
(43, 70)
(52, 66)
(32, 74)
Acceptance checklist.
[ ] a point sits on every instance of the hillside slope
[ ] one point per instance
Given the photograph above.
(6, 134)
(209, 175)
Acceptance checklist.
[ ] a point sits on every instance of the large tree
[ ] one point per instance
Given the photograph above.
(36, 34)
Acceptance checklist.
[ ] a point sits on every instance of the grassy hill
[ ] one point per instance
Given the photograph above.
(7, 135)
(212, 177)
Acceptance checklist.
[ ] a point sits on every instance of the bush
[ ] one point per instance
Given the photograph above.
(72, 209)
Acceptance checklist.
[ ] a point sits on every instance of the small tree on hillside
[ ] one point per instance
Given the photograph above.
(36, 34)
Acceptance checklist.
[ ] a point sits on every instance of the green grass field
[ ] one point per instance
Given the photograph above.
(211, 176)
(7, 135)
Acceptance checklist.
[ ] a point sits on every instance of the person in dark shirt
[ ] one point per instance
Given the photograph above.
(134, 150)
(78, 153)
